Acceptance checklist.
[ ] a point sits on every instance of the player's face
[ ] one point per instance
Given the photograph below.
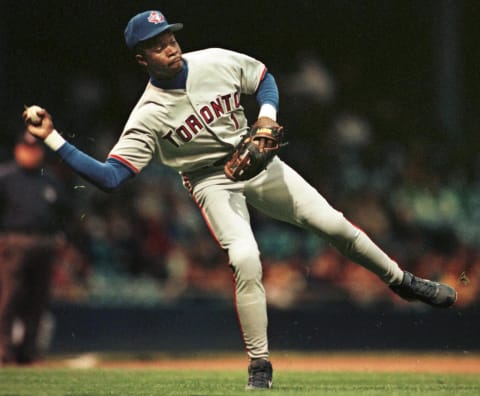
(162, 56)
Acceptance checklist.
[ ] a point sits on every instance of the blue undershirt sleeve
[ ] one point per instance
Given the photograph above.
(107, 176)
(267, 91)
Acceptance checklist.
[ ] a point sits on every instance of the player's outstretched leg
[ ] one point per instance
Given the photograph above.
(433, 293)
(260, 374)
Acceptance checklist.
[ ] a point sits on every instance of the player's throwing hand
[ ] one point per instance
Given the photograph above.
(38, 121)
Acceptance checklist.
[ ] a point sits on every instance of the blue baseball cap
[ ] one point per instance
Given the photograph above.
(146, 25)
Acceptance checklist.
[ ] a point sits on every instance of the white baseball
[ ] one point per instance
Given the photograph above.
(32, 115)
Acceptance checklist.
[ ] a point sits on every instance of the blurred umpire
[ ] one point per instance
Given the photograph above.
(33, 207)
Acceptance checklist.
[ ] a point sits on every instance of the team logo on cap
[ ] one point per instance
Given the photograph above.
(155, 17)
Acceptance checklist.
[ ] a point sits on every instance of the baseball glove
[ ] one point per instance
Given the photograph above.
(255, 150)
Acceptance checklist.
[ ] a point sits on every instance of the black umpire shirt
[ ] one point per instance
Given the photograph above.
(31, 201)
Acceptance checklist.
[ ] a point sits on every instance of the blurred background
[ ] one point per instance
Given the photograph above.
(380, 102)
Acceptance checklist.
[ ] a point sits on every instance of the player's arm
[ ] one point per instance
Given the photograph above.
(107, 176)
(267, 97)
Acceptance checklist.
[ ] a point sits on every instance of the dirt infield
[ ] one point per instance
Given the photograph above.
(328, 362)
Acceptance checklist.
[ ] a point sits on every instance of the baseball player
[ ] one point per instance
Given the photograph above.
(190, 118)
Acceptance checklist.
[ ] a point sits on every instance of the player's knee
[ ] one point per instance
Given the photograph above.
(345, 236)
(245, 261)
(331, 224)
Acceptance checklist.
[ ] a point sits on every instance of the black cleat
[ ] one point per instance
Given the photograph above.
(432, 293)
(260, 374)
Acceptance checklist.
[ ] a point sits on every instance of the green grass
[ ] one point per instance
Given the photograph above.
(124, 382)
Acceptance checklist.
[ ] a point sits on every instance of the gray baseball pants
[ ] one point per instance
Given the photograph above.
(282, 194)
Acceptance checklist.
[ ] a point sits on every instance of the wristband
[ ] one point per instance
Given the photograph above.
(268, 110)
(54, 140)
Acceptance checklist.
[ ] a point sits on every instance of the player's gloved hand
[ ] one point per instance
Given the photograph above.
(255, 150)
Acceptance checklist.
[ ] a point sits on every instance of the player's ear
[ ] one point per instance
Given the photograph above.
(140, 60)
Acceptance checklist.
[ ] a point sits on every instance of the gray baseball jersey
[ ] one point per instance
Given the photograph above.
(193, 128)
